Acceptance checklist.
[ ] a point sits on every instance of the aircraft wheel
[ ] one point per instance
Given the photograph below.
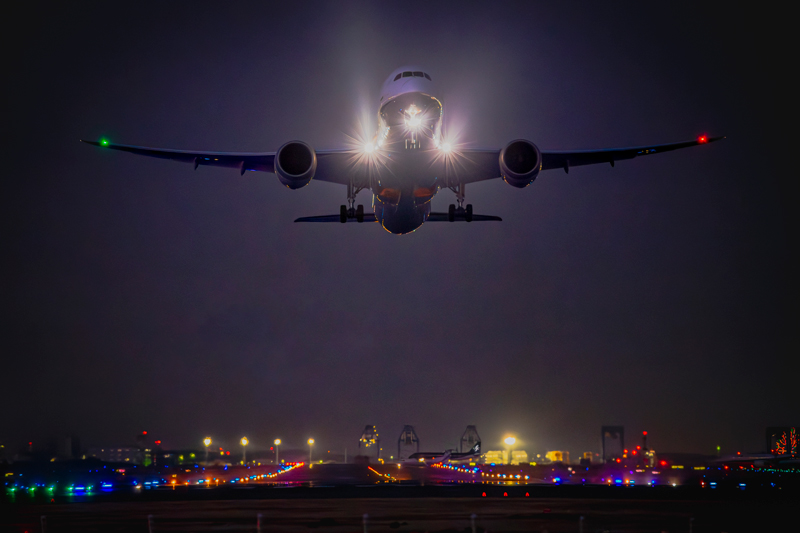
(343, 214)
(451, 213)
(360, 213)
(468, 214)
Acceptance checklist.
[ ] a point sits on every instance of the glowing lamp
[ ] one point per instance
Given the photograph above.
(510, 441)
(207, 441)
(702, 139)
(277, 442)
(244, 441)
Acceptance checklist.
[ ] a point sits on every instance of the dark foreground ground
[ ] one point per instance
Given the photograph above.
(406, 509)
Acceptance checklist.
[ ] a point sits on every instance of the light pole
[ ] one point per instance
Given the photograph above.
(310, 447)
(277, 451)
(207, 442)
(510, 442)
(244, 442)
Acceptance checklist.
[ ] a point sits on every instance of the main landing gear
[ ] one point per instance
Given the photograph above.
(454, 212)
(350, 211)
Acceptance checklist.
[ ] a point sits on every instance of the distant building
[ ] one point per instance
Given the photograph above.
(498, 457)
(519, 457)
(120, 454)
(557, 457)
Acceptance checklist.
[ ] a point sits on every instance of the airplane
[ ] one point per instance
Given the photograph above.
(429, 458)
(407, 163)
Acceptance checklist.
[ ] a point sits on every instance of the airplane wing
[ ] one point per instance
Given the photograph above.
(332, 165)
(470, 166)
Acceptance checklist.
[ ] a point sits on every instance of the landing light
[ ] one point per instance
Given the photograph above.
(369, 148)
(446, 147)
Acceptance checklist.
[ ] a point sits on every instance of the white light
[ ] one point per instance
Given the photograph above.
(510, 441)
(414, 121)
(445, 147)
(369, 148)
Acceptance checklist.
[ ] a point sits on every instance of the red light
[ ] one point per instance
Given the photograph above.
(483, 495)
(144, 433)
(644, 433)
(738, 453)
(638, 447)
(505, 494)
(619, 460)
(702, 139)
(527, 495)
(634, 452)
(663, 463)
(227, 453)
(158, 443)
(626, 451)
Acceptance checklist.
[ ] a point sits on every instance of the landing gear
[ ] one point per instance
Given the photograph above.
(350, 210)
(460, 212)
(453, 211)
(346, 213)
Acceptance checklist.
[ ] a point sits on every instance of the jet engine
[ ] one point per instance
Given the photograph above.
(295, 164)
(520, 162)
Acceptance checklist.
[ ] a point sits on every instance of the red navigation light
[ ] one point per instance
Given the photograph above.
(144, 433)
(702, 139)
(644, 433)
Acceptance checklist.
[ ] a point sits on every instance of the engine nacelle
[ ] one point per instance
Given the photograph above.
(295, 164)
(520, 163)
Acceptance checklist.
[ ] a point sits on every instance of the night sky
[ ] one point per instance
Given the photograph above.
(139, 294)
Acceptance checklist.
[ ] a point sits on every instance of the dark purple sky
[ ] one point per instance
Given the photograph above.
(139, 294)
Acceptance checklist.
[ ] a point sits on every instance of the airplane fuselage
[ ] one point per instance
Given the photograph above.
(407, 166)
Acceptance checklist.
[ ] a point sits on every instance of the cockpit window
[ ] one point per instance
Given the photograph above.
(407, 74)
(427, 76)
(398, 76)
(418, 74)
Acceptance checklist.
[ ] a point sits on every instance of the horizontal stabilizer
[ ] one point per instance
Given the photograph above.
(368, 217)
(461, 217)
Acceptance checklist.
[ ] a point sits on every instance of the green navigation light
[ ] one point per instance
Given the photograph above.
(104, 142)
